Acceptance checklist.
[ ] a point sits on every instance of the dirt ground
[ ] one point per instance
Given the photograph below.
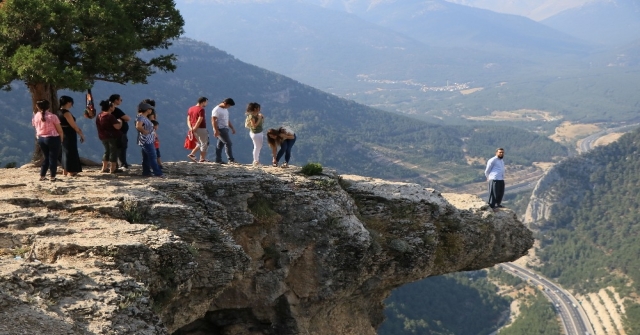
(568, 132)
(607, 139)
(517, 115)
(604, 312)
(471, 90)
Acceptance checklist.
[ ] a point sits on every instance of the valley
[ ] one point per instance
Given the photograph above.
(424, 92)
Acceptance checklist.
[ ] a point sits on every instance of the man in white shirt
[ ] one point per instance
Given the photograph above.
(221, 125)
(495, 176)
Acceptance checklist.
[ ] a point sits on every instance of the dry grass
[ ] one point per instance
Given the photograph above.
(471, 90)
(607, 139)
(517, 115)
(569, 132)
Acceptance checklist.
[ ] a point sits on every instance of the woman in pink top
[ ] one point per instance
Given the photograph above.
(49, 134)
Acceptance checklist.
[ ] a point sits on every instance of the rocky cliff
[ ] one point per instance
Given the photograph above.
(561, 186)
(229, 250)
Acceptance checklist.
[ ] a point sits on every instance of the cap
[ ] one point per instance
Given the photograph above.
(144, 106)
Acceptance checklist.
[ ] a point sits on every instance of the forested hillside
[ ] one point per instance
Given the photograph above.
(338, 133)
(462, 303)
(592, 239)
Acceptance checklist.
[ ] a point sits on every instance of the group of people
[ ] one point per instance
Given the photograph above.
(57, 133)
(282, 137)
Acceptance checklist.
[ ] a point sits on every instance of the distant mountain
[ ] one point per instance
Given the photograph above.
(338, 133)
(533, 9)
(438, 22)
(611, 22)
(332, 50)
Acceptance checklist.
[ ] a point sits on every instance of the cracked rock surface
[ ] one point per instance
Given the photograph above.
(217, 249)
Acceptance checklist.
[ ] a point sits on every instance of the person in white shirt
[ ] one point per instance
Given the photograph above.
(495, 176)
(221, 127)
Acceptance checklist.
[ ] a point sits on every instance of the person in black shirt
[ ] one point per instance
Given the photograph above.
(116, 100)
(70, 157)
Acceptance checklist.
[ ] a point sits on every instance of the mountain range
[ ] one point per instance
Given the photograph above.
(335, 132)
(409, 56)
(608, 23)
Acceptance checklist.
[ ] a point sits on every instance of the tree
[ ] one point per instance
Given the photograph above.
(70, 44)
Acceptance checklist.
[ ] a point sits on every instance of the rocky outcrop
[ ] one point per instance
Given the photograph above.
(220, 249)
(564, 185)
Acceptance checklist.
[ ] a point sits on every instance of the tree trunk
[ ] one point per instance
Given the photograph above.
(40, 91)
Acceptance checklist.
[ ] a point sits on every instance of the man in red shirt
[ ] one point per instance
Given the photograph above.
(198, 126)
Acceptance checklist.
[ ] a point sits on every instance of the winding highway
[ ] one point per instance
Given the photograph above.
(586, 143)
(574, 319)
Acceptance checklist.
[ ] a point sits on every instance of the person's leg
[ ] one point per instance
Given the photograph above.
(54, 144)
(287, 155)
(105, 156)
(257, 145)
(158, 159)
(113, 154)
(492, 194)
(225, 137)
(150, 153)
(45, 153)
(499, 192)
(146, 167)
(283, 149)
(219, 146)
(122, 154)
(203, 142)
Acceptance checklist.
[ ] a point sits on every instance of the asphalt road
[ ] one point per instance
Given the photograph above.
(574, 319)
(587, 143)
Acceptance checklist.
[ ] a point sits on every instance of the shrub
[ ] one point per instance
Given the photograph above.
(312, 169)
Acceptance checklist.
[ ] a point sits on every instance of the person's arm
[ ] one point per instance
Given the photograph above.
(189, 124)
(233, 130)
(198, 123)
(125, 118)
(59, 130)
(273, 152)
(73, 125)
(214, 122)
(287, 136)
(140, 128)
(487, 171)
(256, 121)
(118, 125)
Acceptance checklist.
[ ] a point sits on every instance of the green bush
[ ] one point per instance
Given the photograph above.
(312, 169)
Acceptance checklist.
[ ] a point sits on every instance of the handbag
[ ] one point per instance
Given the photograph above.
(190, 142)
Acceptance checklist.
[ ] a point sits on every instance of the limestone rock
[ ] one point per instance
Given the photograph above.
(229, 249)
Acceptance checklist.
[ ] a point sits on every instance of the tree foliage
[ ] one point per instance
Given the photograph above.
(591, 240)
(70, 44)
(460, 303)
(537, 318)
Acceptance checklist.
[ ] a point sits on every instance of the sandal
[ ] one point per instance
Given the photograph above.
(202, 161)
(53, 179)
(192, 157)
(43, 178)
(285, 165)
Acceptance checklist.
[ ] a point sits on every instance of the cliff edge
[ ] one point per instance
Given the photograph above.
(219, 249)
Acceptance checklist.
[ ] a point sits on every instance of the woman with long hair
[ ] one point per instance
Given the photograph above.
(255, 121)
(109, 134)
(285, 138)
(49, 135)
(70, 157)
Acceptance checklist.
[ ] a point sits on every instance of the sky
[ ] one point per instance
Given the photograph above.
(533, 9)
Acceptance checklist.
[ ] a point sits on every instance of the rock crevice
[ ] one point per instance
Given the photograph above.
(231, 250)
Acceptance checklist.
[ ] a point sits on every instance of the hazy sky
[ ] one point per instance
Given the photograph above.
(534, 9)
